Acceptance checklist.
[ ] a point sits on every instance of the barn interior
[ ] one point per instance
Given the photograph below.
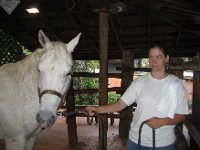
(116, 32)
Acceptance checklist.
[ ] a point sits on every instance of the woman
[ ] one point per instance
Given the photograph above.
(161, 99)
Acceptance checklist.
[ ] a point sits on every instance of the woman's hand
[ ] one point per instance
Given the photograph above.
(90, 110)
(156, 122)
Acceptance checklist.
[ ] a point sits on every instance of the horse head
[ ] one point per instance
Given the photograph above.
(54, 76)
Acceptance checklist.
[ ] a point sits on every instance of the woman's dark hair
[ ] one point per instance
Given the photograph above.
(162, 47)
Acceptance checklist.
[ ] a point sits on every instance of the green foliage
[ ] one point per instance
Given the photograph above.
(12, 51)
(85, 66)
(26, 51)
(190, 104)
(112, 97)
(85, 83)
(87, 99)
(81, 83)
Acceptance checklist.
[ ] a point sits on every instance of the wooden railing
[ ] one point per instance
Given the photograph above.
(194, 133)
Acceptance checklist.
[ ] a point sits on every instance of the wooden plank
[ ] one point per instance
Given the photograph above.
(195, 110)
(117, 89)
(181, 67)
(71, 121)
(196, 94)
(127, 78)
(103, 80)
(85, 35)
(181, 142)
(194, 133)
(175, 62)
(95, 75)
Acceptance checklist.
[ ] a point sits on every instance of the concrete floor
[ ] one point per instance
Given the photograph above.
(56, 138)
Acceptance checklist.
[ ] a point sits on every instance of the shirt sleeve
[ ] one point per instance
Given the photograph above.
(130, 95)
(182, 102)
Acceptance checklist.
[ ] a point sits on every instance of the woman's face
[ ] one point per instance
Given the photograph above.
(157, 59)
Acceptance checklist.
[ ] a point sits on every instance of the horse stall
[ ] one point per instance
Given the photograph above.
(113, 30)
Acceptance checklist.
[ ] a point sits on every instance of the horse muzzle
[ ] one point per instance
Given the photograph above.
(46, 119)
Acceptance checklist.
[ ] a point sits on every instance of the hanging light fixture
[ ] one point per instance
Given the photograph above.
(32, 10)
(118, 7)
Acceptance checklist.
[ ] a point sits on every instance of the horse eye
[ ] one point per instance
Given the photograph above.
(69, 73)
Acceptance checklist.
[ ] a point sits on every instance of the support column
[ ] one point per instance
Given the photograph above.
(127, 78)
(176, 62)
(179, 127)
(103, 77)
(195, 106)
(71, 121)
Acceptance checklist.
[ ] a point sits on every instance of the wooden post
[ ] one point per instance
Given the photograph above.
(179, 73)
(103, 78)
(71, 121)
(127, 78)
(176, 61)
(195, 106)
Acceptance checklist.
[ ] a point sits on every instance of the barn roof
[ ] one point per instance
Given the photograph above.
(133, 25)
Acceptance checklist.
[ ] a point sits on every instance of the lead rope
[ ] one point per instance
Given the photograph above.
(68, 114)
(153, 136)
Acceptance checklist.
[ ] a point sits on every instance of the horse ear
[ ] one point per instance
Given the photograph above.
(43, 39)
(72, 44)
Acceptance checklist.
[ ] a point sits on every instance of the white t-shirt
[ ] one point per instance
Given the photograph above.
(146, 92)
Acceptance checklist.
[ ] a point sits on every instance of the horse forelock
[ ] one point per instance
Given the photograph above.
(56, 52)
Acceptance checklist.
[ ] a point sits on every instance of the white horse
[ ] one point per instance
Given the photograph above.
(31, 91)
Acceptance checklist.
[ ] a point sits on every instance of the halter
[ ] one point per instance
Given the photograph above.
(61, 96)
(53, 92)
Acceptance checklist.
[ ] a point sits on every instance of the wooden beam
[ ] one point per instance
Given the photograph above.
(193, 131)
(103, 80)
(71, 121)
(95, 75)
(79, 26)
(127, 78)
(196, 94)
(181, 142)
(187, 7)
(50, 27)
(113, 22)
(181, 67)
(116, 32)
(178, 37)
(176, 24)
(148, 31)
(13, 22)
(117, 89)
(162, 15)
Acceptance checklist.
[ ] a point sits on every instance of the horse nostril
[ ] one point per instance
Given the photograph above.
(39, 119)
(51, 121)
(46, 117)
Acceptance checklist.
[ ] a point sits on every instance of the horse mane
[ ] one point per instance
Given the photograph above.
(25, 69)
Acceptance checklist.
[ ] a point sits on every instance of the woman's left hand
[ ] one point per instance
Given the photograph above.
(156, 122)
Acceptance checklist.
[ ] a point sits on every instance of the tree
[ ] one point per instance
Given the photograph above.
(81, 83)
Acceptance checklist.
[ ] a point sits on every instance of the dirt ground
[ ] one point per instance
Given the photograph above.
(56, 138)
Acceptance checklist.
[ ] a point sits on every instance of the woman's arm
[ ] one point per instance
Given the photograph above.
(112, 107)
(156, 122)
